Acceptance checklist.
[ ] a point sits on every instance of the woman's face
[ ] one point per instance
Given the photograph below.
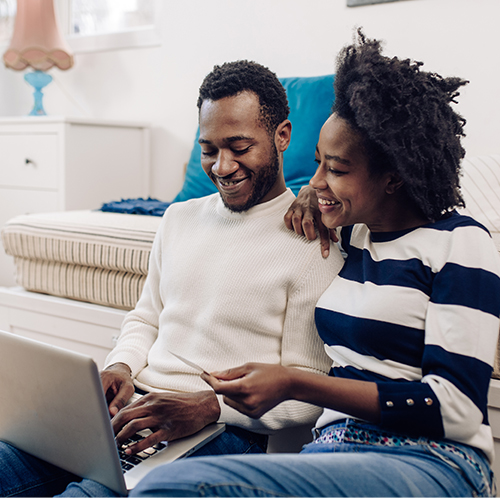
(347, 192)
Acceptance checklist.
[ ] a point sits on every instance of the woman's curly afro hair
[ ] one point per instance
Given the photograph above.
(406, 121)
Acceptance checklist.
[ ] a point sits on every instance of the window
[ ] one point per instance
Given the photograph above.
(96, 25)
(7, 16)
(90, 17)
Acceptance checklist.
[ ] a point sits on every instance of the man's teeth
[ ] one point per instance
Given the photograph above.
(326, 202)
(227, 184)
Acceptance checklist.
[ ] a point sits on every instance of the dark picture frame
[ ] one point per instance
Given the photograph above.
(357, 3)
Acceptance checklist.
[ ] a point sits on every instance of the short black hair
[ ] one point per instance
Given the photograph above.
(406, 122)
(232, 78)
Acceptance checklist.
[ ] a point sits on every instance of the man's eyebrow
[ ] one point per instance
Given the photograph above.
(235, 138)
(337, 159)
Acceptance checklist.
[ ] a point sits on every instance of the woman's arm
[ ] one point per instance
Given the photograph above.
(255, 388)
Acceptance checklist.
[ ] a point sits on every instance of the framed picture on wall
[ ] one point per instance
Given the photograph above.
(356, 3)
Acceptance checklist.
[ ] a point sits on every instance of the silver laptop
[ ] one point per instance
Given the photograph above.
(52, 406)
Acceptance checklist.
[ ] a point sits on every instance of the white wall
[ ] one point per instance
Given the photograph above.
(294, 38)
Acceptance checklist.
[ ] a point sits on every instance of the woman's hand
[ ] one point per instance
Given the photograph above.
(304, 217)
(254, 388)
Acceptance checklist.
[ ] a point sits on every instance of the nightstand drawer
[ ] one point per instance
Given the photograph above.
(29, 160)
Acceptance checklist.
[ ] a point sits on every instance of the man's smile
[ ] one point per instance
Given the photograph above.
(230, 183)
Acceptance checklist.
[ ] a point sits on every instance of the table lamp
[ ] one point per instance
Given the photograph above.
(37, 42)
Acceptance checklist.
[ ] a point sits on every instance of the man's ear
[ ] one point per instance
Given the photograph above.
(282, 135)
(394, 183)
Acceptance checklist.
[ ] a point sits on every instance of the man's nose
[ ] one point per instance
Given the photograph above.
(225, 165)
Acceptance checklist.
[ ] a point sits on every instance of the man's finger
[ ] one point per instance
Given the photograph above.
(120, 400)
(148, 442)
(126, 431)
(116, 405)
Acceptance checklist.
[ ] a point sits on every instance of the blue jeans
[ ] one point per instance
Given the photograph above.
(24, 475)
(328, 469)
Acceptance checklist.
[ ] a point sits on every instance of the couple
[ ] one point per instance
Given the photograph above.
(410, 323)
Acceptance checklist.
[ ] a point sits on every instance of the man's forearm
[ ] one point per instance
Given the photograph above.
(120, 366)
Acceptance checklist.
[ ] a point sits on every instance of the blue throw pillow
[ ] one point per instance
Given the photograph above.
(310, 100)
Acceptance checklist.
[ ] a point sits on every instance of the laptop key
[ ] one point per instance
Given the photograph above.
(129, 461)
(136, 437)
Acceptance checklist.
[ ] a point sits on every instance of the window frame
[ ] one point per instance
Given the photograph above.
(5, 39)
(148, 36)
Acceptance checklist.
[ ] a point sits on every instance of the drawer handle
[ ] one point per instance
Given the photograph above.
(29, 161)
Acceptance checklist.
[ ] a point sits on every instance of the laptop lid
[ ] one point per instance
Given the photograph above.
(52, 406)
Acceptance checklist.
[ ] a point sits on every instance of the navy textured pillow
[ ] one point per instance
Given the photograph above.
(310, 100)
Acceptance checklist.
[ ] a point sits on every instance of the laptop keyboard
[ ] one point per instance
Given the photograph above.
(130, 461)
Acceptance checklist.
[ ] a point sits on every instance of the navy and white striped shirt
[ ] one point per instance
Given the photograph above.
(417, 312)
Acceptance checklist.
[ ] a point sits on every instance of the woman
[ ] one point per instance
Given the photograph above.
(411, 322)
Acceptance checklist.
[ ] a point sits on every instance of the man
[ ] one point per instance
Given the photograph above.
(228, 283)
(233, 297)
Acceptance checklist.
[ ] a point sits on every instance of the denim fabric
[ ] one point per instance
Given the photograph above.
(464, 459)
(331, 469)
(234, 441)
(24, 475)
(353, 470)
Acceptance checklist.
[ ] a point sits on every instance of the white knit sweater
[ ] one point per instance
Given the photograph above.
(224, 289)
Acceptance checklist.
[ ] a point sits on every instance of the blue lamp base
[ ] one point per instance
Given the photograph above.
(38, 80)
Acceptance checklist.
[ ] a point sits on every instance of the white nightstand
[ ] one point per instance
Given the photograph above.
(56, 164)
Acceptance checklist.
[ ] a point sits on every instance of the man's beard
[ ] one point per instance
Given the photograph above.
(264, 182)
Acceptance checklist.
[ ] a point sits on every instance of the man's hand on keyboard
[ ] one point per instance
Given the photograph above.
(118, 386)
(169, 417)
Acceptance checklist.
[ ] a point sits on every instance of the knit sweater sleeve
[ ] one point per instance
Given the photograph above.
(140, 327)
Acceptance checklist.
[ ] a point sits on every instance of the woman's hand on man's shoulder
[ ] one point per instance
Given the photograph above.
(304, 218)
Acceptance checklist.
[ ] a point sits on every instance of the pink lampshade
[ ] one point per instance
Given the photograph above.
(37, 41)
